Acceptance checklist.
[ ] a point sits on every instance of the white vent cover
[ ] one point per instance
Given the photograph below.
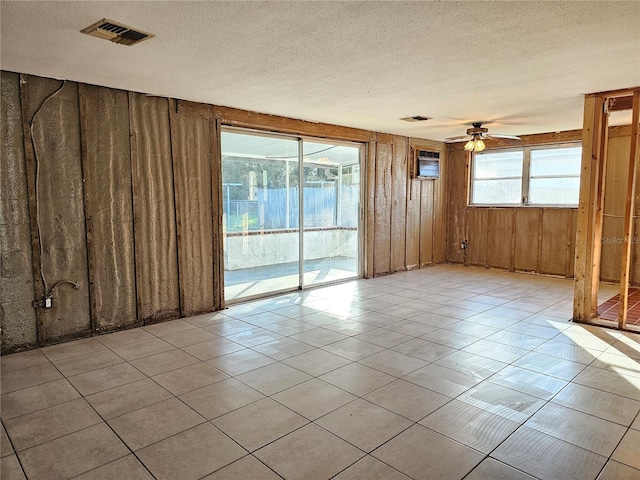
(116, 32)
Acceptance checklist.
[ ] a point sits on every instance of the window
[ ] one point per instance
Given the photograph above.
(541, 175)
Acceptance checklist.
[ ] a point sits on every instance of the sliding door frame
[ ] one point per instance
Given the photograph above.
(301, 139)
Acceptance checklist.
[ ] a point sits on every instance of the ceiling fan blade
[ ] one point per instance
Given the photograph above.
(460, 138)
(506, 137)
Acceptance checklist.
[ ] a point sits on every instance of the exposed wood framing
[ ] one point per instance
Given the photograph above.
(628, 215)
(246, 119)
(592, 194)
(590, 209)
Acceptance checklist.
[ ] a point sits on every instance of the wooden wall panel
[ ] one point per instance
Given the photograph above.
(456, 203)
(571, 254)
(477, 236)
(191, 143)
(427, 233)
(370, 210)
(399, 191)
(128, 200)
(527, 244)
(59, 199)
(108, 206)
(614, 207)
(439, 210)
(154, 209)
(556, 228)
(382, 227)
(500, 229)
(17, 316)
(414, 230)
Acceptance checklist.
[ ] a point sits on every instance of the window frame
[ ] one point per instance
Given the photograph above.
(526, 176)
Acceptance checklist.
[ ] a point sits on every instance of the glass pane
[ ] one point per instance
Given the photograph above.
(556, 161)
(554, 191)
(260, 214)
(490, 192)
(331, 211)
(498, 164)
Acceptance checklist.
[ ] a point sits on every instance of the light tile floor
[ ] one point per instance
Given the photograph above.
(443, 373)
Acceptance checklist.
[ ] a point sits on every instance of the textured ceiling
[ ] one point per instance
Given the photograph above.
(524, 66)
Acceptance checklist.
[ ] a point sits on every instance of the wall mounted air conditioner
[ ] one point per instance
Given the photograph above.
(427, 165)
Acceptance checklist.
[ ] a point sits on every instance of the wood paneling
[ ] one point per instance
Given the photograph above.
(154, 209)
(614, 204)
(399, 193)
(17, 316)
(382, 225)
(370, 208)
(477, 235)
(191, 144)
(129, 200)
(52, 149)
(415, 230)
(556, 228)
(456, 203)
(427, 205)
(527, 242)
(247, 119)
(500, 229)
(108, 206)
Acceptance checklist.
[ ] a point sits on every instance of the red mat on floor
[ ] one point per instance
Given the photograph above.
(609, 309)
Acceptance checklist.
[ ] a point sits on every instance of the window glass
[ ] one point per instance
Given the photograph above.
(527, 176)
(497, 192)
(498, 165)
(555, 176)
(497, 178)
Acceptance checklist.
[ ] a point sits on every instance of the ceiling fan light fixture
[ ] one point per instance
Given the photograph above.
(475, 145)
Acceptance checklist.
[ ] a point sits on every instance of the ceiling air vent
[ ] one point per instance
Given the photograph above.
(116, 32)
(417, 118)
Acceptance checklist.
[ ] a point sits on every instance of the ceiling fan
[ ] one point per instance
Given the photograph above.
(475, 138)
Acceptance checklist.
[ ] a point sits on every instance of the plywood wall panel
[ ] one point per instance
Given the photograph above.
(370, 211)
(154, 209)
(414, 225)
(500, 230)
(190, 140)
(556, 227)
(527, 244)
(477, 235)
(571, 254)
(17, 316)
(456, 203)
(614, 208)
(382, 227)
(108, 206)
(439, 210)
(399, 177)
(59, 199)
(426, 222)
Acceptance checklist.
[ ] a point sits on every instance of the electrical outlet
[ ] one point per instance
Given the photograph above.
(44, 302)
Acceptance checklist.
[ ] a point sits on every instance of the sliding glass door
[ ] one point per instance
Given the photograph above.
(331, 212)
(265, 250)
